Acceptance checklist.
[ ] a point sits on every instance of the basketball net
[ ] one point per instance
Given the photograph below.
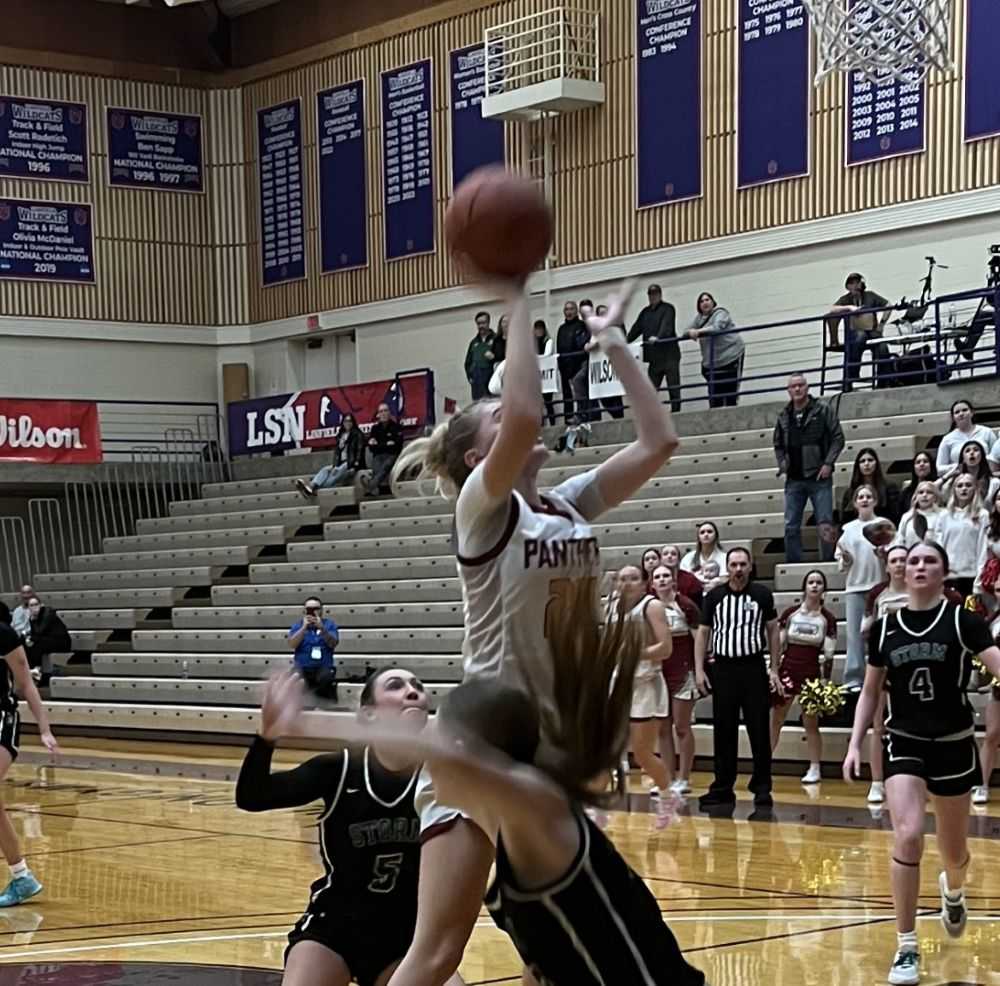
(901, 39)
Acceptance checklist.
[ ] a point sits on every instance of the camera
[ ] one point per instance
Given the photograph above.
(995, 248)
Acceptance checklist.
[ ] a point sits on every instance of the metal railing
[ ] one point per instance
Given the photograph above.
(559, 43)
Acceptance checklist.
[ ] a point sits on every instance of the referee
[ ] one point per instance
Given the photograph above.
(740, 620)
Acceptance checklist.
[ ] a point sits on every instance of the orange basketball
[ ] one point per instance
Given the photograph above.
(498, 223)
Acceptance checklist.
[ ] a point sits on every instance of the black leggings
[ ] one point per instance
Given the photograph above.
(723, 384)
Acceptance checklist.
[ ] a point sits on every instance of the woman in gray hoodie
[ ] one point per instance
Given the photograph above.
(722, 351)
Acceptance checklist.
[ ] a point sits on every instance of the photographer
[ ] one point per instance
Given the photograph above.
(863, 331)
(314, 639)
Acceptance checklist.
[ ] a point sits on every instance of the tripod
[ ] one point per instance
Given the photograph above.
(984, 316)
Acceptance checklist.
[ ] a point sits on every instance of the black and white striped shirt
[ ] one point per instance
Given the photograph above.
(737, 620)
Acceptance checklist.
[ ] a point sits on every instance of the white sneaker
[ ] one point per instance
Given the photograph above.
(980, 795)
(681, 786)
(665, 808)
(876, 795)
(905, 969)
(812, 775)
(954, 913)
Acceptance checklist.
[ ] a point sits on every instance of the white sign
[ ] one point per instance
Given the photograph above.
(548, 367)
(601, 376)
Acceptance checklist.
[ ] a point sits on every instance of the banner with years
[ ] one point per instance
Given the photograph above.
(602, 379)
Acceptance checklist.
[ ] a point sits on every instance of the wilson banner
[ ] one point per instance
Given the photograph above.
(49, 431)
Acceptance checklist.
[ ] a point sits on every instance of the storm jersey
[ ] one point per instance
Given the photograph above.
(532, 562)
(9, 642)
(927, 656)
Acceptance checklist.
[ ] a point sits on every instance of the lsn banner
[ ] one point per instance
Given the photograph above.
(49, 431)
(311, 418)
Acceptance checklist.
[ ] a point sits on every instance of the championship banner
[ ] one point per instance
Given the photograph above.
(601, 376)
(55, 432)
(310, 419)
(46, 241)
(885, 119)
(475, 140)
(982, 94)
(773, 132)
(155, 150)
(407, 161)
(668, 101)
(41, 138)
(279, 171)
(343, 201)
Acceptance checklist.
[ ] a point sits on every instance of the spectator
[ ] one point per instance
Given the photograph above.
(20, 618)
(740, 620)
(661, 351)
(994, 458)
(708, 549)
(687, 584)
(722, 351)
(385, 442)
(922, 518)
(546, 347)
(348, 458)
(650, 560)
(615, 406)
(500, 340)
(963, 429)
(571, 339)
(808, 441)
(923, 469)
(314, 640)
(988, 583)
(479, 357)
(867, 471)
(972, 462)
(962, 530)
(857, 556)
(47, 635)
(861, 329)
(5, 616)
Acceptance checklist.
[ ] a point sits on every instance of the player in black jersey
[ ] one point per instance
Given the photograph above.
(361, 913)
(923, 653)
(16, 673)
(576, 912)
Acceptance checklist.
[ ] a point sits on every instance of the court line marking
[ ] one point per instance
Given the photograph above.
(208, 939)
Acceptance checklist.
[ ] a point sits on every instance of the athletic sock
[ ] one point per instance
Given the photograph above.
(954, 896)
(906, 941)
(20, 869)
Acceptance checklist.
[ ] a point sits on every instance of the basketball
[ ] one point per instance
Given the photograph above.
(498, 223)
(879, 533)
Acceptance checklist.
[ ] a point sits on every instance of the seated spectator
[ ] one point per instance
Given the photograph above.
(708, 549)
(348, 458)
(722, 351)
(994, 458)
(314, 640)
(385, 442)
(867, 471)
(47, 635)
(920, 521)
(963, 429)
(922, 470)
(21, 617)
(971, 462)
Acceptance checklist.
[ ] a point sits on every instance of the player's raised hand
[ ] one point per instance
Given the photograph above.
(605, 330)
(281, 704)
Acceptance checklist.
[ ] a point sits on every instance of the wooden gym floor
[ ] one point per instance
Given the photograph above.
(143, 872)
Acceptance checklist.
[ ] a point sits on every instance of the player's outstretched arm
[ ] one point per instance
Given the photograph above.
(863, 716)
(656, 438)
(17, 661)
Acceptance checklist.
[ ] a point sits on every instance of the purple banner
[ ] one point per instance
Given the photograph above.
(884, 119)
(42, 138)
(407, 161)
(982, 93)
(155, 150)
(475, 140)
(668, 101)
(46, 241)
(773, 133)
(343, 202)
(279, 171)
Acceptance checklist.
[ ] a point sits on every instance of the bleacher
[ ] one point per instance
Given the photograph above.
(186, 617)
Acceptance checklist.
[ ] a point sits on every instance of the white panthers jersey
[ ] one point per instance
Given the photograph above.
(526, 562)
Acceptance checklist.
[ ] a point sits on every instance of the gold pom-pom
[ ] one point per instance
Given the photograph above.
(820, 697)
(986, 679)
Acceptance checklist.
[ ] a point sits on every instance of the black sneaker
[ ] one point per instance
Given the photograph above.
(763, 800)
(716, 799)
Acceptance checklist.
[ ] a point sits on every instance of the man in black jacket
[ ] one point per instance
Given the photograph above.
(660, 351)
(385, 442)
(571, 337)
(808, 440)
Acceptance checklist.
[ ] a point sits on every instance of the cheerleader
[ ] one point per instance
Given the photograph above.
(650, 699)
(922, 469)
(858, 558)
(808, 643)
(988, 750)
(687, 584)
(963, 429)
(923, 654)
(972, 462)
(675, 732)
(519, 553)
(988, 584)
(922, 517)
(962, 530)
(706, 550)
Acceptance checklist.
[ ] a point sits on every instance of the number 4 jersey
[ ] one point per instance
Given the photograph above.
(927, 656)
